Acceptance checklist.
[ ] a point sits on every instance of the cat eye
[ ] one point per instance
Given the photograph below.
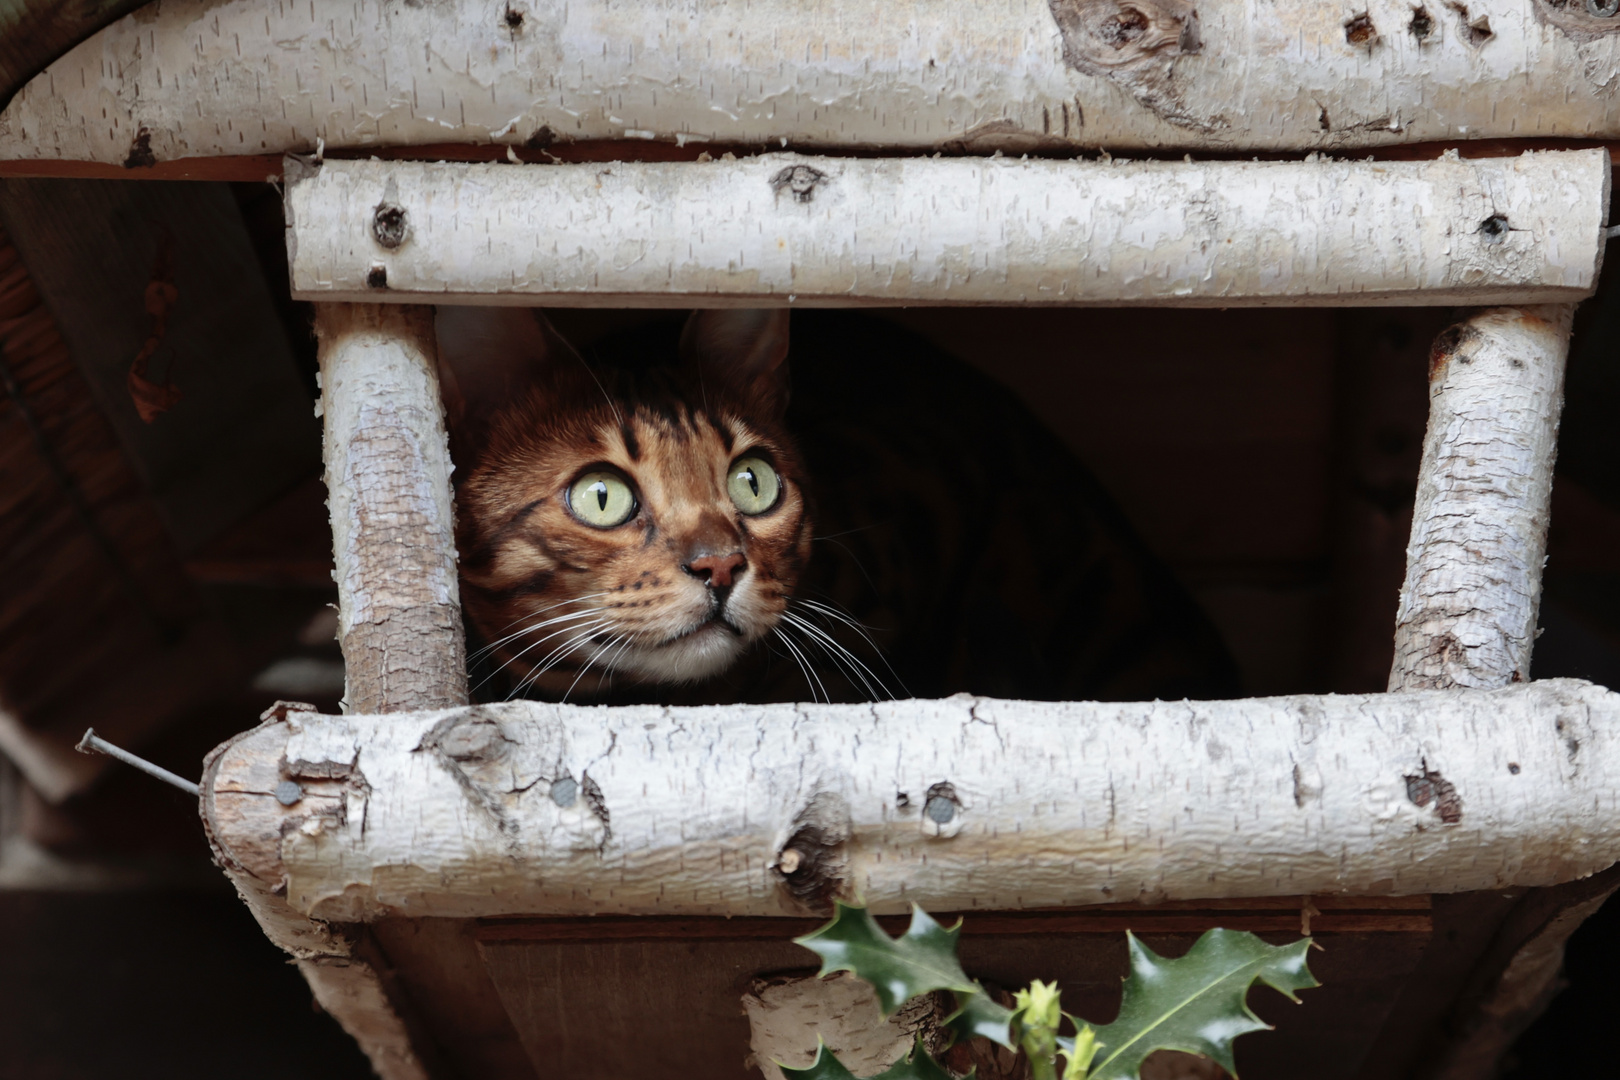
(602, 499)
(753, 485)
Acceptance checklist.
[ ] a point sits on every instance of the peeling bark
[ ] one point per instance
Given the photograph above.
(204, 78)
(780, 229)
(1467, 613)
(393, 525)
(1054, 804)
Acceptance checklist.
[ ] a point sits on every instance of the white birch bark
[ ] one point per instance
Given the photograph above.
(344, 984)
(188, 78)
(399, 619)
(1467, 614)
(393, 518)
(781, 228)
(528, 808)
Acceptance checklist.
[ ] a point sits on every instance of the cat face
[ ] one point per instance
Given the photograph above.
(648, 522)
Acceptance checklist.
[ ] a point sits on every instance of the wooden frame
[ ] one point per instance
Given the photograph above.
(193, 86)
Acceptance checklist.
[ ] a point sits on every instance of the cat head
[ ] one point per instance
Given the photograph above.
(645, 519)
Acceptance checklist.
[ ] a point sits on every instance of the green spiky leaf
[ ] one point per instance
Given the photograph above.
(978, 1015)
(1196, 1003)
(916, 1065)
(920, 961)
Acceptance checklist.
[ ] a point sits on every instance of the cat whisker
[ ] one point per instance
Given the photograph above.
(611, 642)
(479, 654)
(551, 658)
(833, 613)
(561, 653)
(811, 677)
(841, 656)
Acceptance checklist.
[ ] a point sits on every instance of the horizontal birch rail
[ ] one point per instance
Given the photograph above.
(783, 228)
(529, 808)
(203, 78)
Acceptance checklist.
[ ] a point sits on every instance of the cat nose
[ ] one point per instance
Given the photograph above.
(717, 571)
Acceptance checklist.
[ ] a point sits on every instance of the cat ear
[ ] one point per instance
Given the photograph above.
(490, 358)
(744, 351)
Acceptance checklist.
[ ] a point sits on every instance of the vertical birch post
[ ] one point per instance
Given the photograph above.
(1467, 615)
(399, 604)
(393, 525)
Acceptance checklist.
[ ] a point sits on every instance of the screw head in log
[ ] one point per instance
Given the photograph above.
(564, 791)
(288, 792)
(942, 811)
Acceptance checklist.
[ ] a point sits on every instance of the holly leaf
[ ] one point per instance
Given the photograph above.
(979, 1015)
(1196, 1004)
(920, 961)
(916, 1065)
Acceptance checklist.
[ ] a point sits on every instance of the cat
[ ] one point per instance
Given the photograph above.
(678, 520)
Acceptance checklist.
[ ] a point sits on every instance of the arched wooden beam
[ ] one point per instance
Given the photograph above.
(204, 78)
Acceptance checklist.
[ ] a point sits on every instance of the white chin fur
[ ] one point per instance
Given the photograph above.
(705, 653)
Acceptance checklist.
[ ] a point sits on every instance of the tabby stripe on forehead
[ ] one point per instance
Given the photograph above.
(722, 430)
(631, 446)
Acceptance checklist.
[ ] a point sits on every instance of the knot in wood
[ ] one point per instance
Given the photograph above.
(813, 866)
(390, 226)
(1494, 229)
(1360, 31)
(801, 180)
(1428, 787)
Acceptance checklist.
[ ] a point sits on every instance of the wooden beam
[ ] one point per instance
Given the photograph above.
(399, 616)
(1468, 606)
(785, 229)
(193, 79)
(393, 522)
(528, 808)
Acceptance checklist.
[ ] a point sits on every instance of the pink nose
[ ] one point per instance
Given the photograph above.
(717, 570)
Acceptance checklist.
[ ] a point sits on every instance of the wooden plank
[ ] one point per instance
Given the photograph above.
(575, 1018)
(190, 78)
(1372, 914)
(926, 231)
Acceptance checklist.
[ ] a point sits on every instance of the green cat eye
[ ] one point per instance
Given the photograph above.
(602, 499)
(753, 485)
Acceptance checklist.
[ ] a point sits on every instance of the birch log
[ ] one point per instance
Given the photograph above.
(343, 982)
(189, 78)
(1467, 614)
(782, 228)
(399, 619)
(393, 521)
(529, 808)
